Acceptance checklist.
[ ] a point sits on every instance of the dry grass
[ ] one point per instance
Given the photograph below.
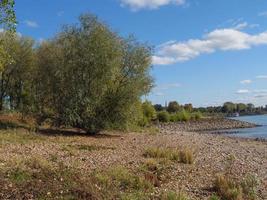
(231, 189)
(167, 153)
(186, 156)
(183, 156)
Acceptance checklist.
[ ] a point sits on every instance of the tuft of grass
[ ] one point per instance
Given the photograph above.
(168, 153)
(230, 189)
(170, 195)
(186, 156)
(249, 187)
(227, 188)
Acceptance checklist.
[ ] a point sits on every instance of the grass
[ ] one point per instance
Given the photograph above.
(186, 156)
(19, 136)
(168, 153)
(183, 156)
(170, 195)
(131, 186)
(230, 189)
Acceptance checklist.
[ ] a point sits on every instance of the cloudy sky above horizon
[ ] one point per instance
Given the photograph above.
(205, 52)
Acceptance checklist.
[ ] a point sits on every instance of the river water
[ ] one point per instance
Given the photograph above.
(258, 132)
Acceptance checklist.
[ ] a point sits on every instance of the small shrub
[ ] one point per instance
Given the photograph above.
(163, 116)
(184, 116)
(186, 156)
(196, 115)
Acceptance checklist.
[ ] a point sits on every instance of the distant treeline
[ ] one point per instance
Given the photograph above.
(171, 113)
(227, 109)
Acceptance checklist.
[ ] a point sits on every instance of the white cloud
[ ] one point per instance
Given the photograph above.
(243, 91)
(262, 77)
(217, 40)
(241, 26)
(263, 14)
(246, 81)
(31, 24)
(149, 4)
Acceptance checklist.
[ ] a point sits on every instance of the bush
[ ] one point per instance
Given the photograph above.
(163, 116)
(148, 113)
(197, 115)
(184, 116)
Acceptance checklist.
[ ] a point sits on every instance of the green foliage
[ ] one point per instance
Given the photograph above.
(149, 113)
(91, 78)
(7, 14)
(16, 77)
(163, 116)
(196, 115)
(173, 107)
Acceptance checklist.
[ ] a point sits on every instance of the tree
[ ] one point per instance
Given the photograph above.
(229, 107)
(7, 15)
(173, 107)
(241, 107)
(8, 23)
(158, 107)
(16, 76)
(91, 78)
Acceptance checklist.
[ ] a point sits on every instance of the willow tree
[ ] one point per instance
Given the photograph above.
(90, 77)
(17, 74)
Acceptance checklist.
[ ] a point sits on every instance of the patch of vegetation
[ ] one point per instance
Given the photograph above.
(168, 153)
(186, 156)
(19, 136)
(183, 156)
(131, 186)
(230, 189)
(170, 195)
(163, 116)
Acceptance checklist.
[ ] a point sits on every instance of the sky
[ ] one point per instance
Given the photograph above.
(206, 52)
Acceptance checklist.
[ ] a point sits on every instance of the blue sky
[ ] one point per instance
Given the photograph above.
(206, 51)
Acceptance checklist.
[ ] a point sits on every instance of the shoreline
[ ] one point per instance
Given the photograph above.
(213, 126)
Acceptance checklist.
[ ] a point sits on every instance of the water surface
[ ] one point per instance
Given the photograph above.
(257, 132)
